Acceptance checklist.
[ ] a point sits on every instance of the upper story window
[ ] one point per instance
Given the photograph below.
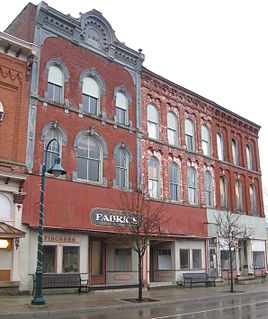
(189, 135)
(192, 186)
(89, 159)
(253, 199)
(122, 164)
(90, 95)
(152, 122)
(52, 151)
(220, 146)
(153, 177)
(249, 157)
(235, 151)
(174, 182)
(55, 89)
(172, 129)
(239, 196)
(205, 140)
(121, 108)
(223, 192)
(208, 189)
(1, 112)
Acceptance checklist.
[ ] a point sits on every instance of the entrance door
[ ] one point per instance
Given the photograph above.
(97, 261)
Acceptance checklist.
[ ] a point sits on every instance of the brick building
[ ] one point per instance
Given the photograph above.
(122, 127)
(16, 58)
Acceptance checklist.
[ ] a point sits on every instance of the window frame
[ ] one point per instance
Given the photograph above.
(189, 135)
(153, 160)
(122, 168)
(200, 254)
(235, 152)
(204, 140)
(122, 108)
(55, 261)
(78, 258)
(220, 146)
(120, 263)
(174, 130)
(173, 166)
(158, 258)
(239, 196)
(225, 187)
(249, 156)
(192, 188)
(151, 122)
(208, 190)
(188, 253)
(253, 200)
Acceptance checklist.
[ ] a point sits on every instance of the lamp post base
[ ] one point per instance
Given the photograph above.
(38, 301)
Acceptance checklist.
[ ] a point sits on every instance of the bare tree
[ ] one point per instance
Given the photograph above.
(231, 231)
(143, 222)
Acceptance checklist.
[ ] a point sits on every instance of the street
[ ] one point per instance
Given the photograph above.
(246, 305)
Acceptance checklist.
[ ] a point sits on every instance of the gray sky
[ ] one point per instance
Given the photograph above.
(216, 48)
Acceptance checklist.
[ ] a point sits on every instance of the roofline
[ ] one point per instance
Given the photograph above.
(201, 97)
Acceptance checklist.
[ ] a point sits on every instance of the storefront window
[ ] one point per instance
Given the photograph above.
(196, 258)
(225, 260)
(258, 259)
(184, 257)
(164, 259)
(122, 259)
(49, 259)
(70, 259)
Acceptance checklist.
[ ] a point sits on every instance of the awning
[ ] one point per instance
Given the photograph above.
(7, 231)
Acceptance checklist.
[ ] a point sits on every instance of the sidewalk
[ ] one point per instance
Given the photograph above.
(102, 301)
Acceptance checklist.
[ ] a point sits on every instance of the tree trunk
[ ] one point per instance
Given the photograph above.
(140, 278)
(231, 269)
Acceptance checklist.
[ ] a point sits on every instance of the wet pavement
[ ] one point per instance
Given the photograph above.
(249, 301)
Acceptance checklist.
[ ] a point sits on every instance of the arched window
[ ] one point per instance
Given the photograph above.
(192, 186)
(55, 87)
(1, 112)
(253, 199)
(90, 95)
(5, 208)
(239, 196)
(223, 192)
(208, 189)
(172, 129)
(174, 182)
(89, 159)
(249, 157)
(152, 122)
(121, 108)
(153, 178)
(220, 146)
(52, 151)
(121, 164)
(235, 151)
(205, 140)
(189, 135)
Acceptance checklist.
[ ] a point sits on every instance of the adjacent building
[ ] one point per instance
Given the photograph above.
(16, 57)
(122, 128)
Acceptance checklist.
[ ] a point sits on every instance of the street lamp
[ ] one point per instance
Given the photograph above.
(56, 170)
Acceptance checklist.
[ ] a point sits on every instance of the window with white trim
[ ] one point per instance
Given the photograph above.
(164, 259)
(235, 151)
(205, 140)
(220, 146)
(249, 157)
(5, 208)
(258, 259)
(208, 189)
(153, 178)
(184, 258)
(91, 96)
(192, 186)
(89, 159)
(196, 258)
(55, 84)
(152, 122)
(172, 129)
(174, 182)
(239, 196)
(253, 199)
(189, 135)
(122, 164)
(121, 104)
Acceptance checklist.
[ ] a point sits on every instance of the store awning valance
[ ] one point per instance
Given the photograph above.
(7, 231)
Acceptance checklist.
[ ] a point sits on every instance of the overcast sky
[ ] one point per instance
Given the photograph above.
(218, 49)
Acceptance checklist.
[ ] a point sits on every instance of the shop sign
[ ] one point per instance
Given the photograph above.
(61, 239)
(109, 217)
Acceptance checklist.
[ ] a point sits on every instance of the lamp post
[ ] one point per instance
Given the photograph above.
(56, 170)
